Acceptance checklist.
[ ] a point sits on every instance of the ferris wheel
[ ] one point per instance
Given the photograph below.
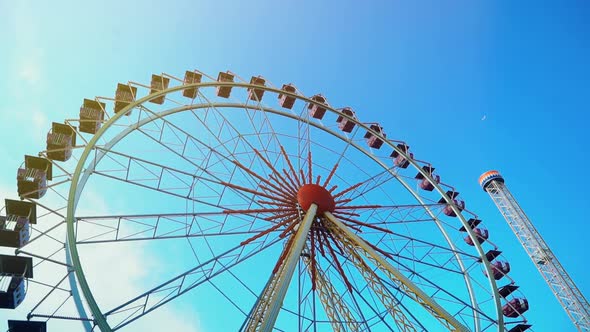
(248, 205)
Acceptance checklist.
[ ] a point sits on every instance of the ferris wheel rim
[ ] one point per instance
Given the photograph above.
(75, 190)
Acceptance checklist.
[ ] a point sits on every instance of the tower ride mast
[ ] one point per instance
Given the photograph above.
(564, 288)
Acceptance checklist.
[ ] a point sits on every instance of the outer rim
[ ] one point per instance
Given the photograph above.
(75, 191)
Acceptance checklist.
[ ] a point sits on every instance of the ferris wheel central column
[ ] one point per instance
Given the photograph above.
(266, 310)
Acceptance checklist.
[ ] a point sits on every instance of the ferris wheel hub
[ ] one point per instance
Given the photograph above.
(313, 193)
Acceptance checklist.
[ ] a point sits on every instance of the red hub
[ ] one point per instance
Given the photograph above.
(313, 193)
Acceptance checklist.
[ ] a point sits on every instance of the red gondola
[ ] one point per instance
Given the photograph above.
(499, 269)
(425, 184)
(481, 233)
(345, 124)
(317, 111)
(287, 101)
(515, 307)
(224, 91)
(372, 140)
(256, 94)
(448, 210)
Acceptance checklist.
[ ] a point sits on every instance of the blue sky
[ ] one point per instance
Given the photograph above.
(471, 86)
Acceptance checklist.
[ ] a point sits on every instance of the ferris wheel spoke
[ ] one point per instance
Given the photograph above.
(187, 281)
(186, 137)
(338, 313)
(125, 228)
(164, 179)
(261, 150)
(403, 318)
(154, 172)
(409, 240)
(187, 140)
(353, 241)
(370, 300)
(427, 282)
(258, 128)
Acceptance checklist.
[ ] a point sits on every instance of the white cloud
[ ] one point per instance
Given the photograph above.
(40, 121)
(128, 268)
(29, 70)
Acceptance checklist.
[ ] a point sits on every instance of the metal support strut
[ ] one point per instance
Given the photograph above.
(266, 310)
(396, 276)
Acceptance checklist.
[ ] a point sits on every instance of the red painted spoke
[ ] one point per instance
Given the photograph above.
(360, 223)
(352, 214)
(289, 213)
(339, 266)
(274, 171)
(247, 170)
(288, 229)
(348, 190)
(291, 181)
(287, 205)
(290, 166)
(283, 184)
(302, 175)
(263, 233)
(251, 191)
(279, 193)
(330, 175)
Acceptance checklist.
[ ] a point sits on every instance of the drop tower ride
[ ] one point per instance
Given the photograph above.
(571, 298)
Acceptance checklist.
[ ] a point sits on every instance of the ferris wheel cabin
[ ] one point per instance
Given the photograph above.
(14, 227)
(158, 83)
(191, 77)
(32, 179)
(448, 210)
(317, 111)
(256, 94)
(26, 326)
(515, 307)
(16, 268)
(481, 233)
(124, 95)
(224, 91)
(399, 160)
(373, 140)
(60, 141)
(345, 124)
(287, 101)
(91, 116)
(425, 183)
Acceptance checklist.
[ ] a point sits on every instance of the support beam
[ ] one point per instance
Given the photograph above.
(381, 291)
(338, 313)
(396, 276)
(264, 314)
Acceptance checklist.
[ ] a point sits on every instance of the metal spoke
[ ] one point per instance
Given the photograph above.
(187, 281)
(402, 281)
